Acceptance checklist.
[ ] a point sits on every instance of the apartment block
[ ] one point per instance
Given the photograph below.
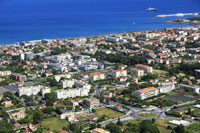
(97, 76)
(70, 93)
(5, 73)
(18, 77)
(147, 69)
(146, 93)
(137, 72)
(119, 73)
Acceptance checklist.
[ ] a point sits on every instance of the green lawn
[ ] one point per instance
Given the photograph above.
(53, 123)
(132, 122)
(193, 128)
(108, 112)
(146, 115)
(172, 94)
(54, 88)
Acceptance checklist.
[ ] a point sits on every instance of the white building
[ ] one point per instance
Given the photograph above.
(45, 90)
(195, 89)
(97, 76)
(146, 93)
(67, 83)
(119, 73)
(29, 90)
(70, 93)
(137, 72)
(33, 90)
(166, 88)
(58, 77)
(197, 106)
(5, 73)
(147, 69)
(179, 122)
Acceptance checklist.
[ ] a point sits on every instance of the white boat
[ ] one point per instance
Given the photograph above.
(151, 9)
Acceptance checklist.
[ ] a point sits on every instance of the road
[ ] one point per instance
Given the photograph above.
(132, 114)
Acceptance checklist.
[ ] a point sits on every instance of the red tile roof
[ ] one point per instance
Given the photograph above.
(145, 90)
(136, 69)
(142, 65)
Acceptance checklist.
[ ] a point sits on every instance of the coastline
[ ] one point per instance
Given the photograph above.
(191, 20)
(90, 36)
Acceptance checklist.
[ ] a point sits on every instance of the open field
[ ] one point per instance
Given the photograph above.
(146, 115)
(53, 123)
(162, 126)
(159, 72)
(108, 112)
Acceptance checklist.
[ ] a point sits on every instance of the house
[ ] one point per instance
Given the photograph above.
(47, 74)
(118, 108)
(70, 118)
(97, 76)
(58, 77)
(146, 51)
(42, 106)
(108, 95)
(99, 130)
(119, 73)
(92, 102)
(147, 69)
(33, 127)
(7, 104)
(20, 115)
(122, 79)
(62, 131)
(137, 72)
(123, 128)
(20, 126)
(74, 103)
(146, 92)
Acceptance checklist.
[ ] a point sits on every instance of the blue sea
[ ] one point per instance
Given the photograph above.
(23, 20)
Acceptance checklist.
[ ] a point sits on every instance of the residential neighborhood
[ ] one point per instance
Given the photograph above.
(102, 84)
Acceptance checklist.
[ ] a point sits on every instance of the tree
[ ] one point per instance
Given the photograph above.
(53, 83)
(38, 116)
(50, 98)
(76, 127)
(77, 108)
(132, 128)
(119, 123)
(48, 110)
(93, 110)
(148, 126)
(5, 127)
(153, 120)
(58, 111)
(113, 128)
(93, 126)
(179, 129)
(92, 90)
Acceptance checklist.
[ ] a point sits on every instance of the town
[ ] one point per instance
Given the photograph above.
(126, 82)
